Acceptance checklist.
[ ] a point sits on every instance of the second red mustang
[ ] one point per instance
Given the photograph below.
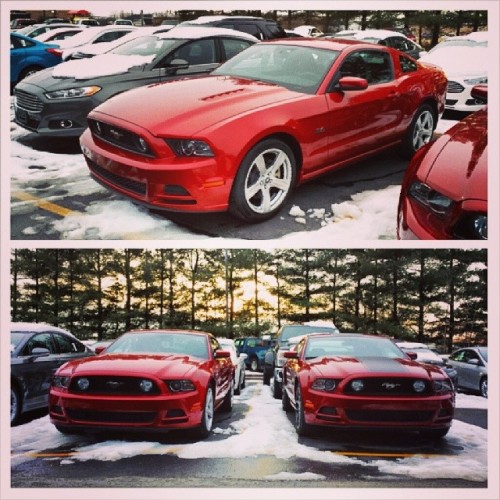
(274, 116)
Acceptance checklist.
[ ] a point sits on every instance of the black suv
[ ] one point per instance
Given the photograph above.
(259, 27)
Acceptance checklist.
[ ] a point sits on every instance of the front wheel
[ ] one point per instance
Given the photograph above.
(207, 418)
(264, 181)
(301, 427)
(483, 387)
(420, 131)
(15, 406)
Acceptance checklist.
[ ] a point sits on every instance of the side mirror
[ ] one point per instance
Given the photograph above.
(100, 349)
(480, 93)
(351, 83)
(39, 352)
(290, 355)
(412, 355)
(176, 65)
(222, 354)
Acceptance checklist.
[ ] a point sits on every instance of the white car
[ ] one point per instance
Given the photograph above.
(465, 61)
(90, 36)
(238, 362)
(306, 30)
(387, 38)
(58, 34)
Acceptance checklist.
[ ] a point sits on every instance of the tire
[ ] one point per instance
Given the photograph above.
(227, 404)
(277, 390)
(301, 427)
(15, 405)
(264, 181)
(420, 131)
(254, 364)
(285, 402)
(267, 375)
(483, 387)
(243, 379)
(207, 418)
(31, 70)
(237, 386)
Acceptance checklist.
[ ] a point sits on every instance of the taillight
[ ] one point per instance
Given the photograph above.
(55, 52)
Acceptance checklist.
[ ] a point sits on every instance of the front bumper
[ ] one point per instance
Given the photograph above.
(171, 184)
(121, 412)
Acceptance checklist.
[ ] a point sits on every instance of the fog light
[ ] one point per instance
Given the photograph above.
(66, 124)
(83, 384)
(146, 385)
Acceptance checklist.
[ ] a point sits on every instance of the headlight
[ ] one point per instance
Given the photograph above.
(435, 201)
(476, 81)
(180, 385)
(73, 93)
(60, 381)
(443, 385)
(324, 384)
(189, 147)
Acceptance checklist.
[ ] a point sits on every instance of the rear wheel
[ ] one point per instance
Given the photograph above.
(254, 364)
(227, 404)
(268, 371)
(264, 181)
(285, 402)
(420, 131)
(277, 389)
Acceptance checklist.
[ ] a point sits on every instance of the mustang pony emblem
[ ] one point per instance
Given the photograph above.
(390, 385)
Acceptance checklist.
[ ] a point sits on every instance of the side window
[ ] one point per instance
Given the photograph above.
(407, 65)
(66, 344)
(251, 29)
(196, 52)
(214, 344)
(458, 356)
(233, 47)
(373, 65)
(43, 340)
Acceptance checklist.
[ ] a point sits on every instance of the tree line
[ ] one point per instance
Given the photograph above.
(427, 295)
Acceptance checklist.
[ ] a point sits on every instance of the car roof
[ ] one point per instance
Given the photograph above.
(27, 327)
(337, 44)
(192, 32)
(209, 19)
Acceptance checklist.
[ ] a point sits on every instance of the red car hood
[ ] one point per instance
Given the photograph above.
(459, 169)
(134, 364)
(341, 367)
(185, 108)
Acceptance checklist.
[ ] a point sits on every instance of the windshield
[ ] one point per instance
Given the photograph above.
(484, 353)
(145, 46)
(161, 343)
(351, 347)
(294, 67)
(15, 339)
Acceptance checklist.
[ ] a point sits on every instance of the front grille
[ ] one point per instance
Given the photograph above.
(113, 385)
(28, 101)
(112, 417)
(120, 137)
(455, 88)
(388, 387)
(388, 415)
(117, 180)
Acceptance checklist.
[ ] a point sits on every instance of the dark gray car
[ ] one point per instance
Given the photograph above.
(471, 364)
(55, 103)
(37, 351)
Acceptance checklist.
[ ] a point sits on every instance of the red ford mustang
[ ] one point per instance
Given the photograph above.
(152, 380)
(445, 190)
(363, 381)
(276, 115)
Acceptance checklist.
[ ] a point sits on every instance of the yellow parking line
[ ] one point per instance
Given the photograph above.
(44, 204)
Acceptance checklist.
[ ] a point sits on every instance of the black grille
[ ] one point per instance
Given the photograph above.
(388, 387)
(113, 385)
(28, 101)
(112, 417)
(120, 137)
(455, 88)
(389, 415)
(117, 180)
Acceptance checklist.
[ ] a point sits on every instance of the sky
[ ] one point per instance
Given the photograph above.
(277, 437)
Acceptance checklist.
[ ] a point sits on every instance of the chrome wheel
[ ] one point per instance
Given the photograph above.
(423, 129)
(268, 181)
(15, 406)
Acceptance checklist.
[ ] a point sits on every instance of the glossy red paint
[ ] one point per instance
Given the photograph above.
(133, 385)
(324, 128)
(387, 399)
(456, 167)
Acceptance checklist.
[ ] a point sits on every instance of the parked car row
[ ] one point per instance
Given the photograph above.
(254, 120)
(159, 380)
